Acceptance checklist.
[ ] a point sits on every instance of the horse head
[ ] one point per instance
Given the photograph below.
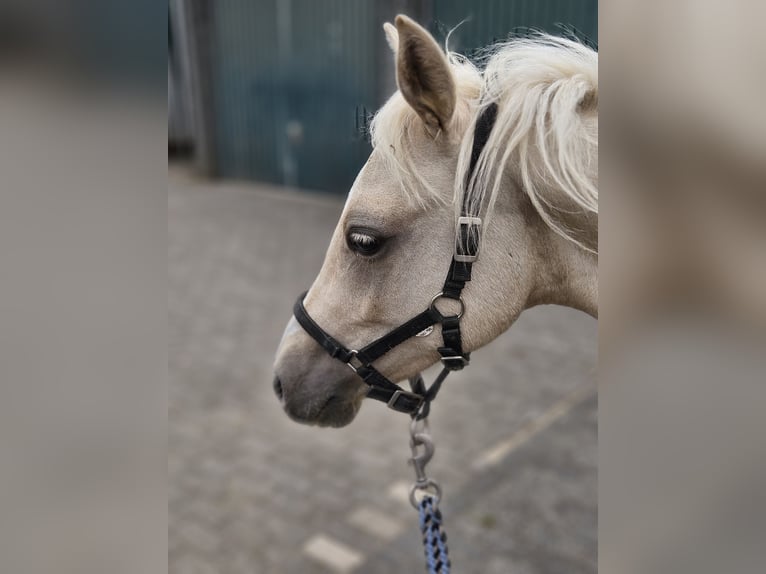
(534, 182)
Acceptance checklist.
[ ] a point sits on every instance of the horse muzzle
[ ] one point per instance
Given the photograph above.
(328, 397)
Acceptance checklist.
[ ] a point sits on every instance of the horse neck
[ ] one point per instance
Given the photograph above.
(566, 275)
(562, 271)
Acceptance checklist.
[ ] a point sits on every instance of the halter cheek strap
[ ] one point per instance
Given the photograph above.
(467, 241)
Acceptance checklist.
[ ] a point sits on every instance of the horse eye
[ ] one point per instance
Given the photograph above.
(363, 243)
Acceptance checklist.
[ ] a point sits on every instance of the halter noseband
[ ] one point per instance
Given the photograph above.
(467, 241)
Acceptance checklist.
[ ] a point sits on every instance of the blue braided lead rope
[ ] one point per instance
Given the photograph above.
(434, 540)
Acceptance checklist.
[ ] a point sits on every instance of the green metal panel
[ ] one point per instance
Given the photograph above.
(288, 78)
(489, 21)
(289, 75)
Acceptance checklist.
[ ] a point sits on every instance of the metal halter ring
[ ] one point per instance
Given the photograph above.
(438, 296)
(437, 496)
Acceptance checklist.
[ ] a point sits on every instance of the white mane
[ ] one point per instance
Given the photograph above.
(545, 88)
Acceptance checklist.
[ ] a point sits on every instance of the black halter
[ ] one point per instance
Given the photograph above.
(417, 401)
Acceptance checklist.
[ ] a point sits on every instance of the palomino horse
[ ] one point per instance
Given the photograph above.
(534, 184)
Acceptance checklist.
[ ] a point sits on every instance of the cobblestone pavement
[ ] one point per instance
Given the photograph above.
(251, 492)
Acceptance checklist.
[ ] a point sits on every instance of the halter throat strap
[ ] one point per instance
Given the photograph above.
(467, 242)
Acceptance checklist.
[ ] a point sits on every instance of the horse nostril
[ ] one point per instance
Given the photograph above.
(278, 387)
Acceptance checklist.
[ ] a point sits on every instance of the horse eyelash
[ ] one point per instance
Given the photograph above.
(362, 238)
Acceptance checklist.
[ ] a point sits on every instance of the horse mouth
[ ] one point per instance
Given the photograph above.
(335, 412)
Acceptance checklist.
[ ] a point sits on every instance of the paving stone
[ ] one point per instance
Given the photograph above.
(400, 492)
(375, 523)
(335, 555)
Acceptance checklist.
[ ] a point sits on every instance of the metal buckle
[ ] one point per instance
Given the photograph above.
(464, 257)
(463, 360)
(358, 366)
(401, 392)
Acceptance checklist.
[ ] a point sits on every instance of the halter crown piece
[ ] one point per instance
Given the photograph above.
(467, 241)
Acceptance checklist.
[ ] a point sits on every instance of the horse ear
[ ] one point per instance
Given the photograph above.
(392, 36)
(423, 75)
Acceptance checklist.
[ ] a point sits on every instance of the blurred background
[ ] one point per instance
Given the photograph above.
(267, 106)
